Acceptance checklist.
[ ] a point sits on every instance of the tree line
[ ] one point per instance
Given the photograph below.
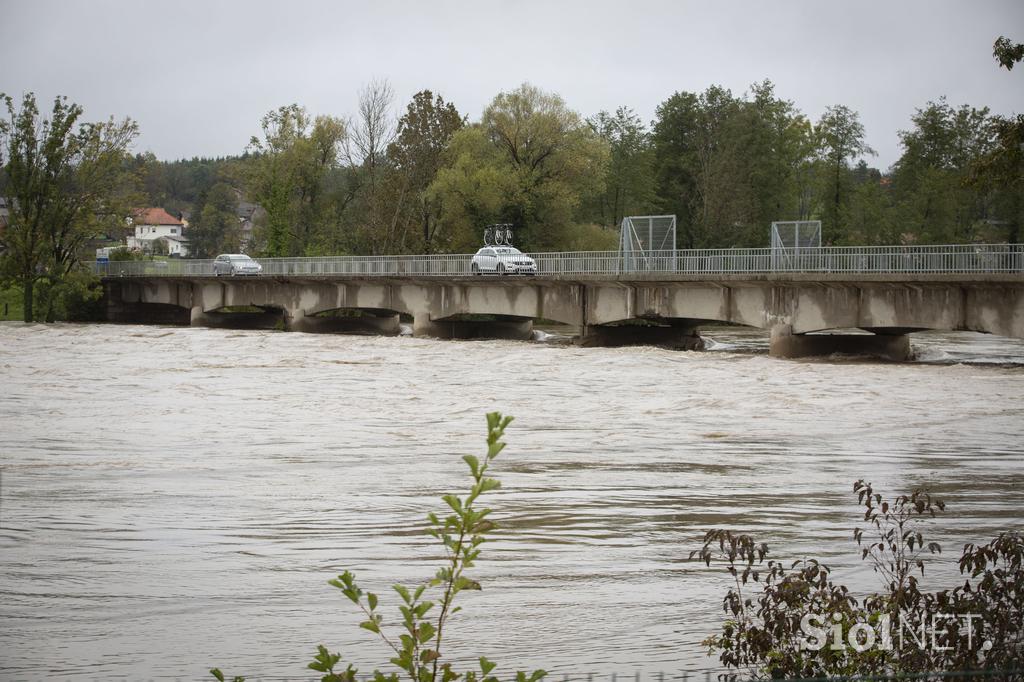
(425, 178)
(726, 165)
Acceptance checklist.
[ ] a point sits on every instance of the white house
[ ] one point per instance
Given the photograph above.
(152, 224)
(176, 246)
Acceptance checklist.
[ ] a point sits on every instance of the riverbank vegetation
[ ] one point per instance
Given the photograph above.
(426, 176)
(11, 300)
(63, 183)
(793, 621)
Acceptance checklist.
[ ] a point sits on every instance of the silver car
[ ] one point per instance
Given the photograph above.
(236, 264)
(502, 260)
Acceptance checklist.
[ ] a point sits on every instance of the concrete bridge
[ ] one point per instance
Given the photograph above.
(636, 308)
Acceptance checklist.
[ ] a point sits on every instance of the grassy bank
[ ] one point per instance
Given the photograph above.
(11, 304)
(77, 298)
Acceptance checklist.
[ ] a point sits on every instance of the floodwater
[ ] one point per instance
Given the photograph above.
(173, 499)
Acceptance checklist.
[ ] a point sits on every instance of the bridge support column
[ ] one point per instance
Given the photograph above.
(674, 336)
(198, 318)
(296, 321)
(516, 330)
(785, 344)
(422, 325)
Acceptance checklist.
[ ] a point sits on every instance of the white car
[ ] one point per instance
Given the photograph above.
(503, 260)
(235, 264)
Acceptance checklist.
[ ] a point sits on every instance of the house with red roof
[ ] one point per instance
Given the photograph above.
(152, 224)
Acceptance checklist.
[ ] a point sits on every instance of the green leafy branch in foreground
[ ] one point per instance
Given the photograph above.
(974, 627)
(418, 647)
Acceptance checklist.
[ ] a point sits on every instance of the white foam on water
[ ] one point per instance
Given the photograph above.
(931, 354)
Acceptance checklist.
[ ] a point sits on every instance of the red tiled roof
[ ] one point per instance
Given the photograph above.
(154, 216)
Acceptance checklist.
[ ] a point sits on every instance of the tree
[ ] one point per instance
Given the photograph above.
(717, 165)
(372, 133)
(215, 226)
(1002, 167)
(533, 155)
(871, 213)
(288, 174)
(1006, 53)
(63, 181)
(936, 201)
(416, 155)
(470, 187)
(178, 185)
(630, 171)
(728, 166)
(840, 140)
(777, 149)
(675, 151)
(374, 128)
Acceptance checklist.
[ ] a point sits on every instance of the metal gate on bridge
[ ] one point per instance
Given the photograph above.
(647, 244)
(789, 237)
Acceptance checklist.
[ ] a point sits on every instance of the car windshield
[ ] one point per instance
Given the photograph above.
(239, 258)
(509, 250)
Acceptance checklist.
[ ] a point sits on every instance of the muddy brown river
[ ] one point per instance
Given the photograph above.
(173, 499)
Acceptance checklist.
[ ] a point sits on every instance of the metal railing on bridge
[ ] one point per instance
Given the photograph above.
(956, 258)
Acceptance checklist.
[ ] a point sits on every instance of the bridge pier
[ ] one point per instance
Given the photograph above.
(785, 344)
(197, 318)
(515, 330)
(295, 320)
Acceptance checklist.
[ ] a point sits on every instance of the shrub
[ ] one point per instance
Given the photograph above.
(774, 634)
(76, 297)
(125, 254)
(418, 647)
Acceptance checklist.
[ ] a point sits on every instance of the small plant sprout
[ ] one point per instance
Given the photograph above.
(417, 648)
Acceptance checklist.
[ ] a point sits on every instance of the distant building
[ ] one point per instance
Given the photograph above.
(248, 214)
(152, 224)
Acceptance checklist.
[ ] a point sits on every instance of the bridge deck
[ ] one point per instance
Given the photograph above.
(822, 263)
(639, 277)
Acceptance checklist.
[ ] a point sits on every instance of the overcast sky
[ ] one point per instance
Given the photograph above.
(198, 75)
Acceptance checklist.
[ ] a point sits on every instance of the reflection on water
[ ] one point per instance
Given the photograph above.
(173, 499)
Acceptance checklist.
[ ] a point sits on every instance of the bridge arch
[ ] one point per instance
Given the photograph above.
(348, 320)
